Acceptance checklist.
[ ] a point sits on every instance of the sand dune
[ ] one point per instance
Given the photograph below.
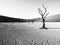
(26, 35)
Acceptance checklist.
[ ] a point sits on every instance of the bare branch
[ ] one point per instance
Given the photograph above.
(45, 8)
(40, 11)
(46, 15)
(45, 12)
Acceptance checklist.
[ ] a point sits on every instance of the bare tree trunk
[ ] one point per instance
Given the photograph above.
(43, 20)
(43, 23)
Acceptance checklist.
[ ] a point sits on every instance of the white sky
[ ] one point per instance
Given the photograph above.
(27, 8)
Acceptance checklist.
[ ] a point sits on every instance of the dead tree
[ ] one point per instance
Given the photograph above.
(43, 15)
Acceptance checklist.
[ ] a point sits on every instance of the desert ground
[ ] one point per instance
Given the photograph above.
(28, 33)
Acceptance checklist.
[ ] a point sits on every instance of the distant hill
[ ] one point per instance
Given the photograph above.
(35, 20)
(10, 19)
(53, 18)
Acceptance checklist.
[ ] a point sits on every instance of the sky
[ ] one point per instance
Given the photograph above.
(28, 9)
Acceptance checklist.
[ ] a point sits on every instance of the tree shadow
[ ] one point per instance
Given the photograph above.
(53, 28)
(48, 28)
(44, 28)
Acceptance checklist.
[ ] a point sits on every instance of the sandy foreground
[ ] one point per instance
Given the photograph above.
(29, 34)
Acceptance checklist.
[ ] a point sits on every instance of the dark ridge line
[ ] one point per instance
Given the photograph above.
(10, 19)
